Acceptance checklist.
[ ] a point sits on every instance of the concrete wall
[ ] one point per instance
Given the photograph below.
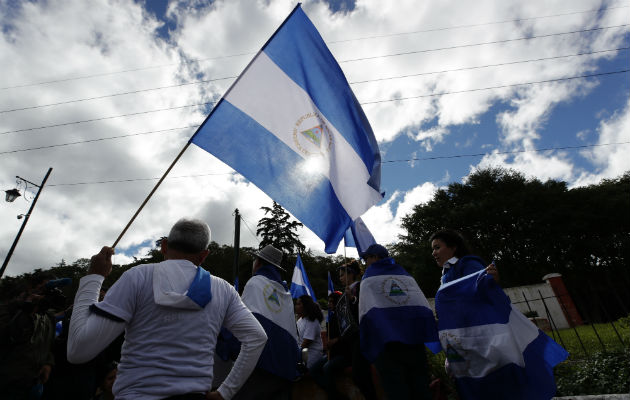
(518, 295)
(532, 294)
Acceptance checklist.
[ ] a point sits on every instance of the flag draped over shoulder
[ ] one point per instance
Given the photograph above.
(392, 308)
(299, 283)
(292, 126)
(272, 306)
(492, 349)
(359, 236)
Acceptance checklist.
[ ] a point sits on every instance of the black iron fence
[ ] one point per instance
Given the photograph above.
(593, 317)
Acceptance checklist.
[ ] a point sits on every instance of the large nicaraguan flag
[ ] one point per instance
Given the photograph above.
(299, 283)
(392, 308)
(359, 236)
(492, 349)
(292, 126)
(272, 306)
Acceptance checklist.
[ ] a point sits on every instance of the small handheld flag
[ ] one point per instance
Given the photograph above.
(359, 236)
(331, 287)
(299, 283)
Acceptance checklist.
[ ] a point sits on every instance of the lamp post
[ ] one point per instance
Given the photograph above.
(26, 216)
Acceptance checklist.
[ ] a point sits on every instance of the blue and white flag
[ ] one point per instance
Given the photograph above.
(359, 236)
(392, 308)
(272, 306)
(299, 283)
(492, 349)
(331, 287)
(292, 126)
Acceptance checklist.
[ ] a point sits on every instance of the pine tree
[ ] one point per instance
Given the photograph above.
(278, 230)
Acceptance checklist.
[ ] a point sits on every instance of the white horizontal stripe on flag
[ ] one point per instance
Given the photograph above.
(267, 95)
(486, 348)
(385, 291)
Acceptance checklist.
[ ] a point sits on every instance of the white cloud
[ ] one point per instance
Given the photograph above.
(611, 161)
(54, 41)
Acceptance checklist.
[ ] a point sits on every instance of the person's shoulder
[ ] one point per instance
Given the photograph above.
(470, 261)
(141, 270)
(221, 283)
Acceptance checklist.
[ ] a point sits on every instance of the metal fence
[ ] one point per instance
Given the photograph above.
(591, 309)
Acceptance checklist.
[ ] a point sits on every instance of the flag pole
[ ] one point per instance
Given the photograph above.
(150, 194)
(201, 126)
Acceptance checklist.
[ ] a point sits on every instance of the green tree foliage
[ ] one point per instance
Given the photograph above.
(530, 228)
(278, 230)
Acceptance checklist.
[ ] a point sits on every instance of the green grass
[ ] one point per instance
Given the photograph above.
(590, 341)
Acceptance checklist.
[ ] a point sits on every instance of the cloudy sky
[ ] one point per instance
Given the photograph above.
(108, 92)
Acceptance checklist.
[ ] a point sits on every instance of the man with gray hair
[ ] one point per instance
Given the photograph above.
(171, 313)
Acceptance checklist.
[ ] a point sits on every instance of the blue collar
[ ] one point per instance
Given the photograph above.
(269, 272)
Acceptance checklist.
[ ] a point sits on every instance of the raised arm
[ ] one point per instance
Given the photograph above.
(90, 333)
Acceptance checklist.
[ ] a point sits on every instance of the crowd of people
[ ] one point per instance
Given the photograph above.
(161, 328)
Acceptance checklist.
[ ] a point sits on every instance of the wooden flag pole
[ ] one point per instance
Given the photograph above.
(150, 194)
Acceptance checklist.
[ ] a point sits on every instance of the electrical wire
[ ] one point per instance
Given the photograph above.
(498, 87)
(362, 103)
(97, 139)
(479, 44)
(506, 152)
(109, 117)
(351, 83)
(191, 61)
(249, 229)
(475, 25)
(383, 162)
(137, 179)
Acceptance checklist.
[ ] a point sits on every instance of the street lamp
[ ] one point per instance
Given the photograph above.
(14, 195)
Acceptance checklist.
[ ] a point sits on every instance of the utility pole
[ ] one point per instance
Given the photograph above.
(26, 217)
(237, 239)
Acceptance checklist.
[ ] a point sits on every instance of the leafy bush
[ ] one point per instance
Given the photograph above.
(600, 373)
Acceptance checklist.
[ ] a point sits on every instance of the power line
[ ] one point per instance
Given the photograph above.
(480, 44)
(384, 162)
(331, 42)
(506, 152)
(119, 94)
(109, 117)
(97, 140)
(250, 230)
(498, 87)
(352, 83)
(475, 25)
(363, 103)
(489, 65)
(137, 179)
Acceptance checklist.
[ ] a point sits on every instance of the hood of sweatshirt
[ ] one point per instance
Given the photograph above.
(181, 284)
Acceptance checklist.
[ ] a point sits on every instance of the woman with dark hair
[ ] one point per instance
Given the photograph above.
(450, 251)
(309, 328)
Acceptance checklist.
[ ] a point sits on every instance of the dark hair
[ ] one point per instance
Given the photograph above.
(335, 296)
(352, 267)
(310, 309)
(103, 370)
(452, 239)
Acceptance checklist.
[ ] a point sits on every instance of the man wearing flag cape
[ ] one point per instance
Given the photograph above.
(268, 299)
(395, 323)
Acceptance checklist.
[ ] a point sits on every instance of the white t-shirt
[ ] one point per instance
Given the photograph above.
(168, 349)
(311, 330)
